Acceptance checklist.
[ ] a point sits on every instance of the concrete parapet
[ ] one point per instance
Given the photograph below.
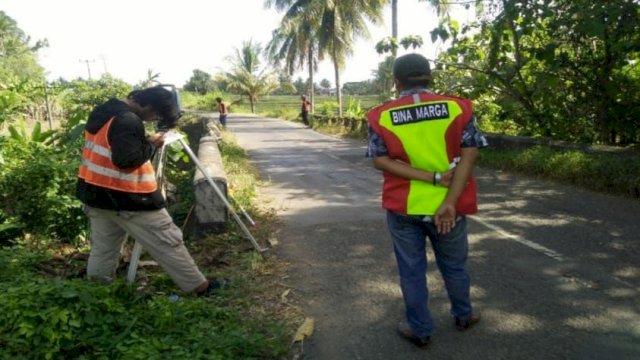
(210, 210)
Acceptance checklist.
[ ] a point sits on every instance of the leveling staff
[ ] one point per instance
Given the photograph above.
(117, 184)
(415, 140)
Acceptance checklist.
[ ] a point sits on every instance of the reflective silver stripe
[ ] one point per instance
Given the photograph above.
(100, 150)
(116, 174)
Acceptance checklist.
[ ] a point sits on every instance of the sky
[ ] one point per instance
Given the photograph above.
(127, 38)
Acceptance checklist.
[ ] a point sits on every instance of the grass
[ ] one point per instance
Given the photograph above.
(289, 105)
(611, 173)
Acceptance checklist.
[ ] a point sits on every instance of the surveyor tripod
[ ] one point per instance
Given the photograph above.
(159, 161)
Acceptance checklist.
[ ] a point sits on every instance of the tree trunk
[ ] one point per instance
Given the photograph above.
(253, 105)
(607, 116)
(394, 25)
(338, 91)
(312, 92)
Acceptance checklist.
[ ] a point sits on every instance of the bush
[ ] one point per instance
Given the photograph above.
(46, 318)
(328, 108)
(600, 172)
(205, 102)
(37, 184)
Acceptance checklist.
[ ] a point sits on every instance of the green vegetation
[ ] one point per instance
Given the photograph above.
(613, 173)
(564, 69)
(247, 78)
(37, 184)
(46, 318)
(334, 24)
(50, 312)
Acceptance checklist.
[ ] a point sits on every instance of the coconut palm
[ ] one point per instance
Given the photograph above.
(338, 23)
(441, 7)
(294, 43)
(343, 21)
(152, 78)
(394, 25)
(246, 77)
(383, 76)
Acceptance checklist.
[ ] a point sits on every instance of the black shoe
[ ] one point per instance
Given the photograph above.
(463, 325)
(405, 331)
(214, 287)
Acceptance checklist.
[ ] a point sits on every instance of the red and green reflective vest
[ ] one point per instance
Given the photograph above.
(98, 169)
(423, 130)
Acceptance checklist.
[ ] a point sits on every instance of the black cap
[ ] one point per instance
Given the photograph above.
(411, 67)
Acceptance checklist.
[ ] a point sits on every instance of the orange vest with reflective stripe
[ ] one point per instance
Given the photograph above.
(424, 131)
(98, 169)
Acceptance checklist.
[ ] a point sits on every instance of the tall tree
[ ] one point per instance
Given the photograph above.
(200, 82)
(21, 77)
(294, 43)
(246, 77)
(342, 22)
(17, 56)
(383, 77)
(394, 25)
(525, 53)
(151, 78)
(339, 23)
(444, 7)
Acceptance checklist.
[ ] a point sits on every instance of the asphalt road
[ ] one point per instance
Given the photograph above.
(555, 269)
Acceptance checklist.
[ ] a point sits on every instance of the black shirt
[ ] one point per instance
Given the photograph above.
(129, 149)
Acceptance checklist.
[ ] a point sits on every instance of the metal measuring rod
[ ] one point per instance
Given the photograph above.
(159, 163)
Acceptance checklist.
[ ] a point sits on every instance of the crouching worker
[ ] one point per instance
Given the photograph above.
(117, 185)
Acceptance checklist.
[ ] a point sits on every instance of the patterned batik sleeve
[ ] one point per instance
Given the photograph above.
(376, 146)
(472, 136)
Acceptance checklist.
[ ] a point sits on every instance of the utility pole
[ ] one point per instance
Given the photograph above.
(87, 61)
(46, 101)
(104, 63)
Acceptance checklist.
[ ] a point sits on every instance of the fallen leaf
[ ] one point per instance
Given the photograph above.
(284, 295)
(305, 330)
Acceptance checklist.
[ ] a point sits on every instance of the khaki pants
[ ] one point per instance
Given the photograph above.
(157, 234)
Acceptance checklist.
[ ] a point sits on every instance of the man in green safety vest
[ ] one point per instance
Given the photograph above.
(426, 146)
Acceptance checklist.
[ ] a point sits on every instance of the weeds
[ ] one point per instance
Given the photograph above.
(601, 172)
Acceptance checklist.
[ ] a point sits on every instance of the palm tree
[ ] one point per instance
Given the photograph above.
(150, 79)
(441, 7)
(383, 76)
(394, 25)
(294, 43)
(246, 76)
(338, 23)
(342, 21)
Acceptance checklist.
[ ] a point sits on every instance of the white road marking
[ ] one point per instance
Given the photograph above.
(543, 250)
(528, 243)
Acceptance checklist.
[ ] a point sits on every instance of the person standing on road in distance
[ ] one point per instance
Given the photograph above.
(117, 184)
(305, 108)
(222, 109)
(416, 140)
